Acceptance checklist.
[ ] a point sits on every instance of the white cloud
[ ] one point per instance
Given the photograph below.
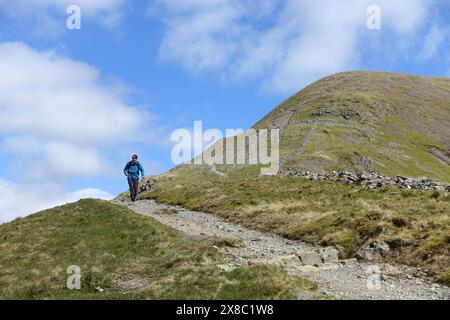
(434, 39)
(46, 18)
(58, 121)
(60, 160)
(58, 98)
(18, 200)
(287, 45)
(404, 15)
(196, 26)
(87, 193)
(52, 99)
(58, 109)
(90, 6)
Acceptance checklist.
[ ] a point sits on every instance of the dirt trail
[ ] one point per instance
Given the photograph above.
(336, 280)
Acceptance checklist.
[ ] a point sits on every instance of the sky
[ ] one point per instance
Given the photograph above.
(76, 103)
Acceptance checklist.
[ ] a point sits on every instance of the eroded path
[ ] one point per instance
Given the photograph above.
(341, 280)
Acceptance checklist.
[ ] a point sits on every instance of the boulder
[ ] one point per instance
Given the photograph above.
(367, 254)
(329, 255)
(381, 247)
(372, 252)
(310, 258)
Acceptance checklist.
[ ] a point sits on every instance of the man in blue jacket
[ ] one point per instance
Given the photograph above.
(132, 170)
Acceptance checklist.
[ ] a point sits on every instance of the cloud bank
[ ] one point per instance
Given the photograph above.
(58, 111)
(58, 120)
(286, 44)
(18, 200)
(46, 18)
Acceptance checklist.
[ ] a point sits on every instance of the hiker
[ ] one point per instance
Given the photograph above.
(132, 170)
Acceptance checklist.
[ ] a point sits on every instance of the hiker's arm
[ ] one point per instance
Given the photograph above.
(142, 170)
(125, 170)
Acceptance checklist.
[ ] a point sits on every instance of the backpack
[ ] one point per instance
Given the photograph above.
(130, 165)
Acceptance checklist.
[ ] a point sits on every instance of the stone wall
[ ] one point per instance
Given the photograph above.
(371, 180)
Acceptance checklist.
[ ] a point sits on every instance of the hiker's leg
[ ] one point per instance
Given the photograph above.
(136, 188)
(133, 189)
(131, 185)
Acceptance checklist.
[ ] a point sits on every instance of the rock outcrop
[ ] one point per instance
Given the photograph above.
(375, 251)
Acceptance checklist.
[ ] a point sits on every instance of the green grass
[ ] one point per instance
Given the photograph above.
(410, 155)
(117, 249)
(445, 278)
(415, 223)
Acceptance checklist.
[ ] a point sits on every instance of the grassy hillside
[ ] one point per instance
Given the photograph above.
(416, 224)
(395, 124)
(127, 255)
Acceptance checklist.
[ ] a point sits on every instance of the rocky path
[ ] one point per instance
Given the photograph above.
(306, 137)
(336, 279)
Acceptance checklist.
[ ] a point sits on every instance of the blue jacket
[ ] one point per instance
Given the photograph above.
(132, 170)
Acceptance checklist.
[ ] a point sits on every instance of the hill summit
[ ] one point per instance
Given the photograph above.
(394, 124)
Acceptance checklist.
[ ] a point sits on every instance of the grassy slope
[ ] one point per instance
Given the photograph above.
(113, 245)
(369, 121)
(320, 212)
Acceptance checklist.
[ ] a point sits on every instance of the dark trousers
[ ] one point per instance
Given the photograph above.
(134, 185)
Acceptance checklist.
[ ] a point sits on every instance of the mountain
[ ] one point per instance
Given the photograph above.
(392, 123)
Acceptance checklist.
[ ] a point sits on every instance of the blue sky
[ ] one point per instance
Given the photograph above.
(75, 104)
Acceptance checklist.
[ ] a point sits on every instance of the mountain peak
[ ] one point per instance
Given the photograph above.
(393, 123)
